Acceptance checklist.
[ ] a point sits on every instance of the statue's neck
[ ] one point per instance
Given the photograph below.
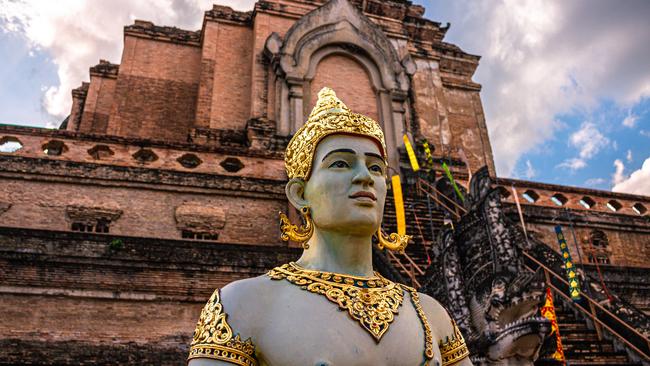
(340, 253)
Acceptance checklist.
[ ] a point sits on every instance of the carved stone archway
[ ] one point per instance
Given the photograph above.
(338, 28)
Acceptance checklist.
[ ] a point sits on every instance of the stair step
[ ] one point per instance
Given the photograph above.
(599, 363)
(599, 357)
(587, 347)
(579, 336)
(572, 326)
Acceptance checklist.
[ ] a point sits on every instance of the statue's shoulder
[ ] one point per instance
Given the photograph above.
(437, 316)
(243, 299)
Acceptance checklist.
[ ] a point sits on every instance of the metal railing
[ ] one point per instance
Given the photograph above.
(409, 271)
(592, 313)
(451, 206)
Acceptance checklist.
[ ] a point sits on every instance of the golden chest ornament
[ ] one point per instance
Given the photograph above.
(371, 301)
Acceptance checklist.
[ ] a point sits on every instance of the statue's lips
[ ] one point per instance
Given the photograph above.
(364, 194)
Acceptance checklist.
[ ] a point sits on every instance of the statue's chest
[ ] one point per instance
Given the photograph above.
(308, 329)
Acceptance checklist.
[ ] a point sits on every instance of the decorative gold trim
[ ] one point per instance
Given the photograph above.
(428, 337)
(453, 350)
(372, 301)
(213, 337)
(329, 116)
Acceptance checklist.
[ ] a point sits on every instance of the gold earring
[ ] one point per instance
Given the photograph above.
(293, 232)
(394, 241)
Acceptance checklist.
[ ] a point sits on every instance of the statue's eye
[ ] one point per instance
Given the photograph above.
(339, 164)
(376, 168)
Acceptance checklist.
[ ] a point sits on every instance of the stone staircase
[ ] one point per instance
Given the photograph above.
(581, 344)
(422, 240)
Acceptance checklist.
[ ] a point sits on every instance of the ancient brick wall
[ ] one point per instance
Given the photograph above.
(140, 197)
(156, 89)
(226, 79)
(172, 80)
(262, 98)
(98, 105)
(68, 295)
(350, 81)
(611, 228)
(625, 248)
(99, 99)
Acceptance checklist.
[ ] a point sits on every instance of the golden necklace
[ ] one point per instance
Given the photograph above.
(372, 301)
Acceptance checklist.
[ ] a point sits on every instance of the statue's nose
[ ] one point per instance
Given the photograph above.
(363, 176)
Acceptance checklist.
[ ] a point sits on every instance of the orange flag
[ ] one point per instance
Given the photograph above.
(548, 311)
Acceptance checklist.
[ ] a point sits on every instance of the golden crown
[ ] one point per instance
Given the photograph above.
(329, 116)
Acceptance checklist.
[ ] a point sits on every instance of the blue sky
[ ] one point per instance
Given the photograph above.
(566, 85)
(24, 73)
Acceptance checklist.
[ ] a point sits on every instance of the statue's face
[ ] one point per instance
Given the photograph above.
(347, 186)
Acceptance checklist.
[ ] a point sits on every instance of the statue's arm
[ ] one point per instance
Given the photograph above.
(446, 331)
(215, 342)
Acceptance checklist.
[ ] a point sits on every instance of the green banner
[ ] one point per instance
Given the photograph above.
(453, 182)
(574, 284)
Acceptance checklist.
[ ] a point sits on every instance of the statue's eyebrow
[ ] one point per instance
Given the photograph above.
(349, 151)
(375, 156)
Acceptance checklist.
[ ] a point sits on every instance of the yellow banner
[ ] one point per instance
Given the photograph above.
(411, 154)
(399, 204)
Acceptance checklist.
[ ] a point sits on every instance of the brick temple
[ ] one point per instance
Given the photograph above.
(166, 179)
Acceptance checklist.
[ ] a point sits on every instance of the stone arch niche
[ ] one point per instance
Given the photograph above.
(339, 31)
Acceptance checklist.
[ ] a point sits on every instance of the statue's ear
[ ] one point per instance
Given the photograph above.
(295, 191)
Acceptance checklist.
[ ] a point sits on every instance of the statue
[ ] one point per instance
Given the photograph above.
(329, 307)
(495, 299)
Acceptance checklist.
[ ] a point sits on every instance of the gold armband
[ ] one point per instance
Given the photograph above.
(213, 337)
(453, 350)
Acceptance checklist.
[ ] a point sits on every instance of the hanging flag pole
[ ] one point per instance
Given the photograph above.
(521, 215)
(574, 285)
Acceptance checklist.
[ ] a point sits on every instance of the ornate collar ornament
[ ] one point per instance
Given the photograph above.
(371, 301)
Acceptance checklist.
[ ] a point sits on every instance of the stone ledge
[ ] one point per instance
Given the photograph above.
(47, 169)
(231, 142)
(105, 69)
(222, 12)
(146, 29)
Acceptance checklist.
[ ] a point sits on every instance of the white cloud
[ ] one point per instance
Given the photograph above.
(573, 164)
(589, 140)
(630, 120)
(78, 33)
(542, 59)
(645, 133)
(530, 171)
(592, 182)
(619, 175)
(628, 157)
(637, 183)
